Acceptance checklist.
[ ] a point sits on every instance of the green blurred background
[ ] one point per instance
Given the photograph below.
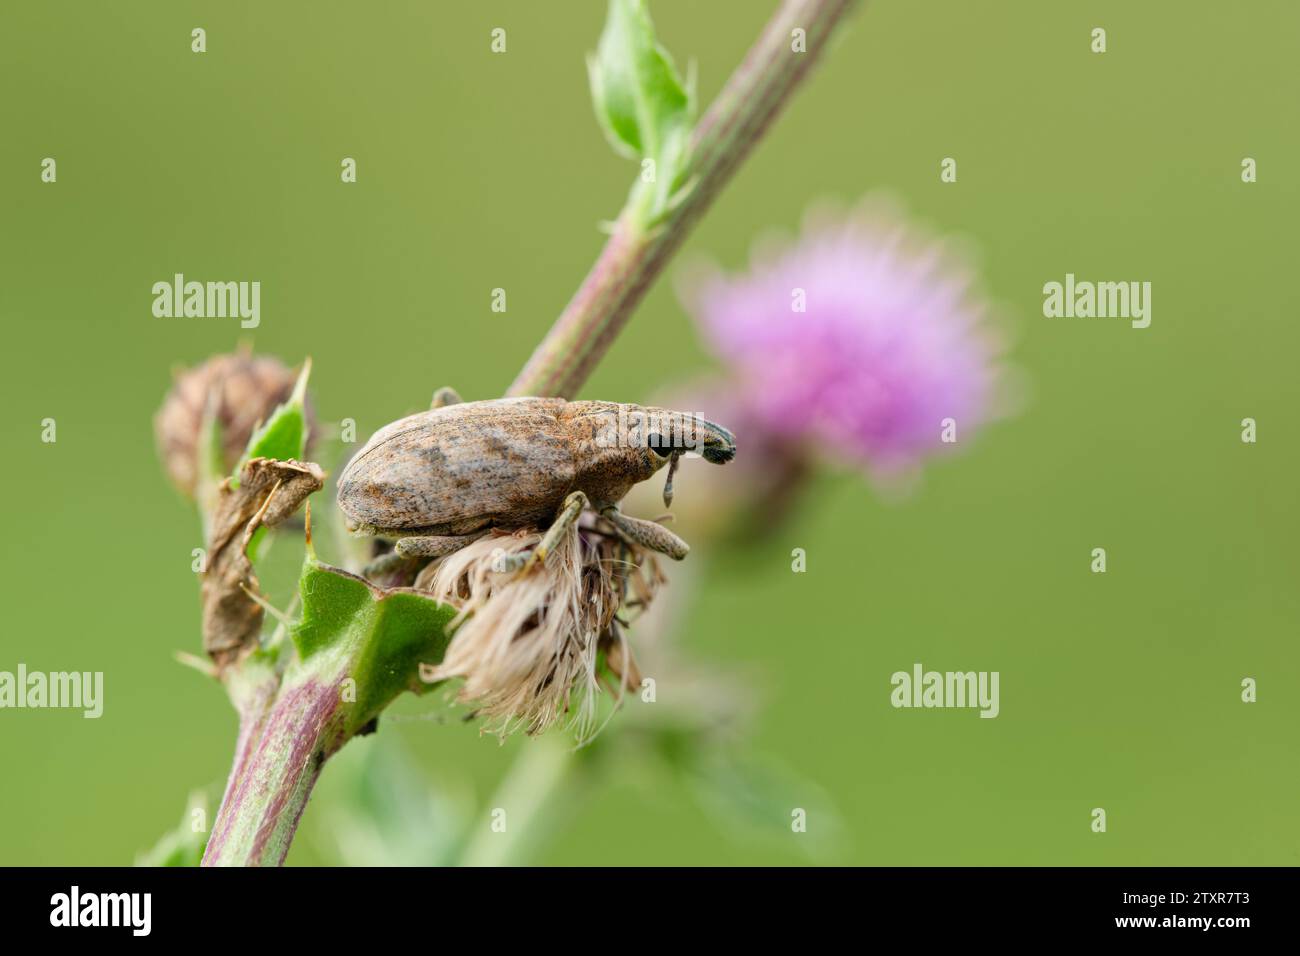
(477, 171)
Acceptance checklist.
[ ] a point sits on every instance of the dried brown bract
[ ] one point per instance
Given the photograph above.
(268, 492)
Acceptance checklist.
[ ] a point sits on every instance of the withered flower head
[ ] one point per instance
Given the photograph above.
(536, 645)
(244, 389)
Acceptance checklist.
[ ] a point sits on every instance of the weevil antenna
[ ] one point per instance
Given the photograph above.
(668, 485)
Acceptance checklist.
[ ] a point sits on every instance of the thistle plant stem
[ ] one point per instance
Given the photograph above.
(284, 740)
(636, 253)
(289, 729)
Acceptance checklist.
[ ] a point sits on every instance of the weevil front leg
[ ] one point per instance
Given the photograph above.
(433, 545)
(648, 534)
(445, 396)
(568, 516)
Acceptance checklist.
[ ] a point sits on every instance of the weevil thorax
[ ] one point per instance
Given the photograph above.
(609, 449)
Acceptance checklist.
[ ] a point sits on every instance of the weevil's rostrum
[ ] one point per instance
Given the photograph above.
(439, 479)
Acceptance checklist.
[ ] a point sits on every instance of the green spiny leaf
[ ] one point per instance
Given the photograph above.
(284, 435)
(377, 637)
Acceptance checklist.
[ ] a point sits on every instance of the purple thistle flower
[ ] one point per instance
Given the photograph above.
(892, 341)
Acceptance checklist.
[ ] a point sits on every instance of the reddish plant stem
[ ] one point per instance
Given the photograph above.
(280, 753)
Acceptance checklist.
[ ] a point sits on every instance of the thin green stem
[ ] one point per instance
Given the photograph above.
(634, 255)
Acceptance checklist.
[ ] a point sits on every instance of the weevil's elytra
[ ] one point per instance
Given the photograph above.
(438, 479)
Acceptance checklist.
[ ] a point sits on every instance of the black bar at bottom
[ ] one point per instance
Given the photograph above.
(619, 906)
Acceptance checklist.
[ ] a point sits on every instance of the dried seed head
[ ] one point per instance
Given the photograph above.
(244, 389)
(527, 645)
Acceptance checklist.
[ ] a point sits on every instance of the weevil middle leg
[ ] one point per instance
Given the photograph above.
(648, 534)
(564, 521)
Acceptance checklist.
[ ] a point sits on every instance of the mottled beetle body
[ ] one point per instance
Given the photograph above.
(439, 479)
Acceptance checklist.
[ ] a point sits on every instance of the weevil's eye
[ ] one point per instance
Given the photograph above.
(657, 443)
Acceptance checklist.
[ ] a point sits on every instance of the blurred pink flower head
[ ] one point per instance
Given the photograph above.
(864, 339)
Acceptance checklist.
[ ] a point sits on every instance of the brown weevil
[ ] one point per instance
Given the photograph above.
(440, 479)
